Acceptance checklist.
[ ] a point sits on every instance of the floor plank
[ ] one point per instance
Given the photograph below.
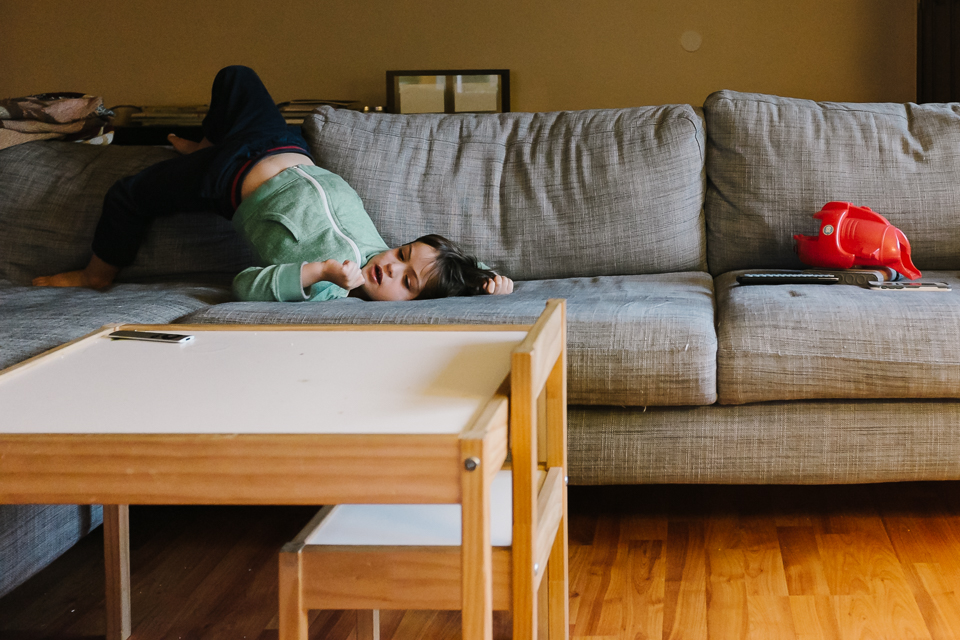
(643, 602)
(803, 567)
(815, 617)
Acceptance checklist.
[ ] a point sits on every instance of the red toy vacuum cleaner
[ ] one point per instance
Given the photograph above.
(852, 236)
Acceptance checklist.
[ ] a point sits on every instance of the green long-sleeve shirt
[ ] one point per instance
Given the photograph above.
(303, 214)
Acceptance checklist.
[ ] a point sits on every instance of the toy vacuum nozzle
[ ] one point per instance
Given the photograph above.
(852, 236)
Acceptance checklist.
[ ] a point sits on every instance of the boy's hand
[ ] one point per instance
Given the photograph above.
(346, 274)
(500, 285)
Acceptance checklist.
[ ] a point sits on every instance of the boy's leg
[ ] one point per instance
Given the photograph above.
(241, 113)
(244, 120)
(240, 105)
(132, 203)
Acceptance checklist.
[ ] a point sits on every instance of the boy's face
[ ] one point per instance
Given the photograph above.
(400, 273)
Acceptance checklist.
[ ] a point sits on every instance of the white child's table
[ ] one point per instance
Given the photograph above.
(262, 415)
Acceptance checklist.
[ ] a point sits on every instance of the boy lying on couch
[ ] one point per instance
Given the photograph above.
(307, 226)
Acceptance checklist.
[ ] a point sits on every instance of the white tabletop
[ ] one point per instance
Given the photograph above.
(248, 382)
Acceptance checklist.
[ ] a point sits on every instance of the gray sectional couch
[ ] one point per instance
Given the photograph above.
(641, 218)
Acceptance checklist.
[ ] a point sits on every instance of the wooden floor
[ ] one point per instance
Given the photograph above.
(670, 562)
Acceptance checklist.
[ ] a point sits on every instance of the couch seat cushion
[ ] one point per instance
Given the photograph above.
(632, 340)
(35, 319)
(788, 342)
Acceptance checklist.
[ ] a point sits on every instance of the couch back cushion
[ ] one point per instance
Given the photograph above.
(51, 194)
(535, 195)
(774, 162)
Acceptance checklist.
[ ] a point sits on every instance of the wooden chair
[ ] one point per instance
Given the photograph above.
(419, 569)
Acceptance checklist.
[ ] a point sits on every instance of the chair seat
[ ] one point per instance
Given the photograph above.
(414, 524)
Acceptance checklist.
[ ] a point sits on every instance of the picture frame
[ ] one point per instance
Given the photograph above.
(448, 91)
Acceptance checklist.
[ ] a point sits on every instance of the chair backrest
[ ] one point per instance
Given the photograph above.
(537, 417)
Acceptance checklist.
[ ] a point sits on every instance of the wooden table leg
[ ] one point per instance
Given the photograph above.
(294, 623)
(476, 572)
(558, 605)
(116, 554)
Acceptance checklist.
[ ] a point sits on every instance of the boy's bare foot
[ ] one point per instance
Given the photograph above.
(70, 279)
(185, 146)
(97, 275)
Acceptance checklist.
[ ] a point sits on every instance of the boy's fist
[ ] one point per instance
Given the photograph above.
(346, 275)
(499, 285)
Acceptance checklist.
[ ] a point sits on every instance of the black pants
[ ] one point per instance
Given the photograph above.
(243, 124)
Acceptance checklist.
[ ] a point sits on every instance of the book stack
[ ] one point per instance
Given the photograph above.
(294, 111)
(169, 116)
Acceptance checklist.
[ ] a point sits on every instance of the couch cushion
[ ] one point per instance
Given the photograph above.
(774, 162)
(787, 342)
(535, 195)
(635, 340)
(34, 535)
(51, 194)
(35, 319)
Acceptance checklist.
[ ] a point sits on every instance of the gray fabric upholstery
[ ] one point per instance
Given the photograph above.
(785, 342)
(632, 340)
(774, 162)
(35, 319)
(801, 442)
(34, 535)
(535, 195)
(51, 195)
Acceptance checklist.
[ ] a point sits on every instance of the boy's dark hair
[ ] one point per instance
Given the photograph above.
(455, 273)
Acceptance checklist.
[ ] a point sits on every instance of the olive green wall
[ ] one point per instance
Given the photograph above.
(563, 54)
